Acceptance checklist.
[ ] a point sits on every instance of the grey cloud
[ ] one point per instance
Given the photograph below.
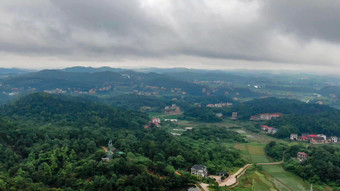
(252, 30)
(307, 18)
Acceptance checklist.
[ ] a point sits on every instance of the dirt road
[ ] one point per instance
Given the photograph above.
(205, 186)
(232, 179)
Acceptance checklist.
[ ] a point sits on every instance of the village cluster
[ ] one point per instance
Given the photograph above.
(314, 138)
(265, 116)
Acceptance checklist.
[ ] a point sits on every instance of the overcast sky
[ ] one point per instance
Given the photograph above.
(214, 34)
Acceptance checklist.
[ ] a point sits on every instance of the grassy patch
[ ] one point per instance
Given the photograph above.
(259, 159)
(256, 150)
(261, 183)
(241, 147)
(286, 178)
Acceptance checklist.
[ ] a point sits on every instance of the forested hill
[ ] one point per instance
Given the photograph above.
(285, 106)
(43, 107)
(84, 81)
(299, 117)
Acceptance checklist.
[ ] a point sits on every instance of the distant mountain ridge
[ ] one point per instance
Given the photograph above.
(92, 69)
(4, 71)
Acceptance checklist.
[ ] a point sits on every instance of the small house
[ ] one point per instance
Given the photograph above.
(234, 115)
(219, 115)
(156, 121)
(222, 173)
(269, 130)
(301, 156)
(173, 109)
(293, 136)
(318, 140)
(334, 139)
(199, 170)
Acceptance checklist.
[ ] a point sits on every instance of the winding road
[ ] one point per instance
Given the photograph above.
(232, 179)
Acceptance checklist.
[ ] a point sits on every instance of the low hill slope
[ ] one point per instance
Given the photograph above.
(43, 107)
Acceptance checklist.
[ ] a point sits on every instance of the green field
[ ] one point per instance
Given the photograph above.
(271, 177)
(286, 178)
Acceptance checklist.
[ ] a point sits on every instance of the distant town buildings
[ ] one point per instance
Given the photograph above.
(199, 170)
(125, 76)
(171, 120)
(219, 115)
(301, 156)
(175, 134)
(313, 138)
(56, 91)
(234, 115)
(266, 116)
(173, 109)
(145, 108)
(218, 105)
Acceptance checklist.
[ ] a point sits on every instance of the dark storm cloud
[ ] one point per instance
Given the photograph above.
(280, 31)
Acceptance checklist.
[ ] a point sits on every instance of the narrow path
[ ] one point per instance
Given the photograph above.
(270, 163)
(232, 179)
(204, 186)
(273, 163)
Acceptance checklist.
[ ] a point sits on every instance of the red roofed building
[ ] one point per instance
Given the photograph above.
(268, 129)
(156, 121)
(265, 127)
(301, 156)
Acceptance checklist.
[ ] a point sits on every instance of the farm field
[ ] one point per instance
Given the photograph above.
(271, 177)
(286, 178)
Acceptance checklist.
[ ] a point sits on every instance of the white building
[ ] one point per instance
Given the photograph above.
(199, 170)
(334, 139)
(293, 136)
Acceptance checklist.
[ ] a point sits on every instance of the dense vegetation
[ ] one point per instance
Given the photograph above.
(276, 105)
(124, 80)
(298, 117)
(323, 123)
(135, 102)
(55, 142)
(52, 142)
(64, 110)
(321, 167)
(202, 114)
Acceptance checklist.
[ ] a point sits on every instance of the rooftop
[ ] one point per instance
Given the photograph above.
(302, 153)
(199, 167)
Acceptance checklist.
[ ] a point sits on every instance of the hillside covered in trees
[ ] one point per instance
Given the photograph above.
(298, 117)
(67, 110)
(50, 142)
